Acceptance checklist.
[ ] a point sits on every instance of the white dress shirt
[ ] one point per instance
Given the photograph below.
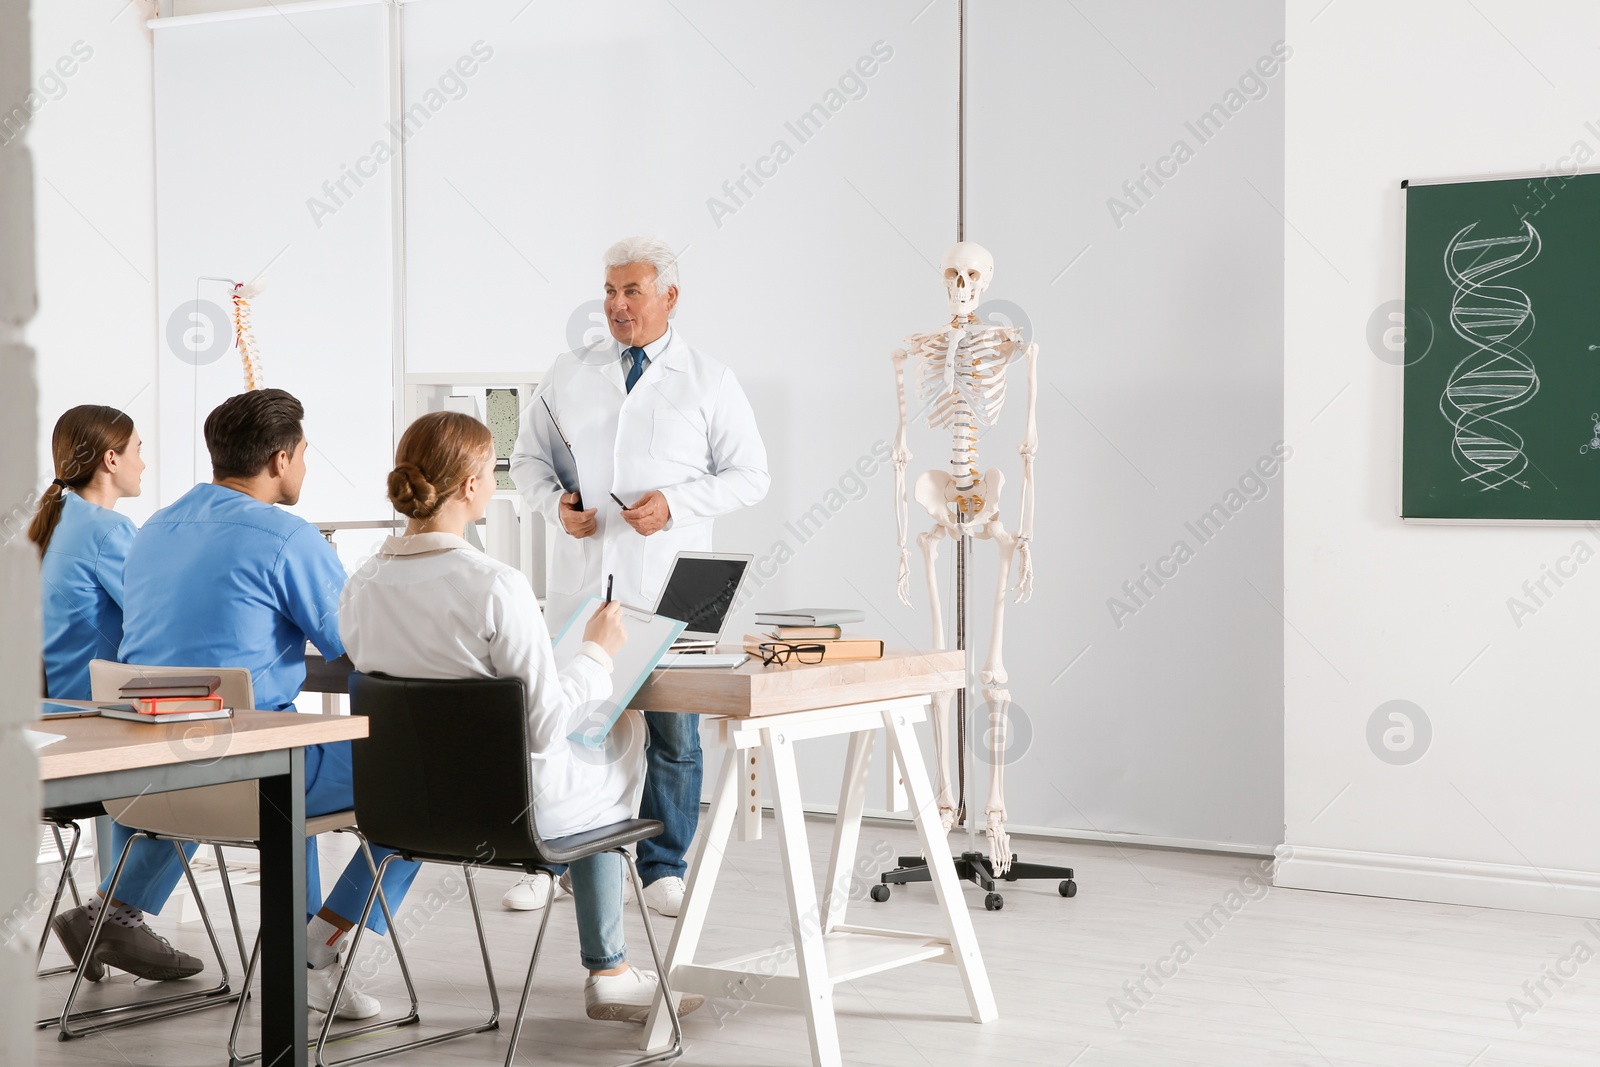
(432, 606)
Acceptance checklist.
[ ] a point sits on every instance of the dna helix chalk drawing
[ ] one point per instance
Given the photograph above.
(1496, 377)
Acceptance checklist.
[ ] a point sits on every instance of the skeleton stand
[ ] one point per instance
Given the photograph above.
(972, 865)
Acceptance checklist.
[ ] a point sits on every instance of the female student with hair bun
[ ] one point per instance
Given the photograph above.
(83, 543)
(435, 607)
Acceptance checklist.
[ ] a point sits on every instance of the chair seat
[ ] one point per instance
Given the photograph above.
(556, 851)
(334, 820)
(74, 812)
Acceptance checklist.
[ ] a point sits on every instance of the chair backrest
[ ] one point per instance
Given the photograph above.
(222, 812)
(444, 769)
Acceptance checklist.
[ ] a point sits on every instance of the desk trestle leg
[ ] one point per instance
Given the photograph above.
(930, 830)
(816, 987)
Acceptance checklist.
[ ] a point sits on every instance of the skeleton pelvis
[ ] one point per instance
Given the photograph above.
(948, 504)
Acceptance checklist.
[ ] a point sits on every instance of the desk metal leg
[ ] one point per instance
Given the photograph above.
(816, 987)
(704, 867)
(847, 829)
(283, 915)
(903, 743)
(105, 857)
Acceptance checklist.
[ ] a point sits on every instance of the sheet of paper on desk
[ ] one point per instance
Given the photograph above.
(649, 637)
(38, 738)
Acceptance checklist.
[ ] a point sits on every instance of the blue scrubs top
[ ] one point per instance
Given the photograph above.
(219, 579)
(80, 582)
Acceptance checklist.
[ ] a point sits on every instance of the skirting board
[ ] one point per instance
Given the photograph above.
(1440, 881)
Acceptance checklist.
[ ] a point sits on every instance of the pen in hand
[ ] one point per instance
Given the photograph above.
(620, 504)
(609, 579)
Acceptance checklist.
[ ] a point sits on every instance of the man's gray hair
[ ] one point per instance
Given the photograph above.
(651, 250)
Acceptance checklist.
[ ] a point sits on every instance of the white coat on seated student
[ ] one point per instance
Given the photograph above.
(429, 605)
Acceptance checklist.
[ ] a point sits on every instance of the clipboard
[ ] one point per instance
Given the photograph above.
(649, 637)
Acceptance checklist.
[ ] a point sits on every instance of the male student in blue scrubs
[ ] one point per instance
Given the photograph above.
(223, 577)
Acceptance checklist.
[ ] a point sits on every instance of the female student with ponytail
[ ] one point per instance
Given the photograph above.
(435, 607)
(83, 543)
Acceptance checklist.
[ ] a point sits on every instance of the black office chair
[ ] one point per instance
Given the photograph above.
(444, 777)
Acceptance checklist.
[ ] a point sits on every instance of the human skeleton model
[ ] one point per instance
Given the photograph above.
(959, 377)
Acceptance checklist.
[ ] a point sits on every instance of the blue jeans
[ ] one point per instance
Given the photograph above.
(153, 870)
(597, 896)
(673, 770)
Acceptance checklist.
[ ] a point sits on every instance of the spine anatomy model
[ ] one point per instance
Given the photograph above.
(243, 336)
(958, 376)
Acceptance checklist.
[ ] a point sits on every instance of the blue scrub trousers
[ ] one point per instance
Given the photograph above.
(153, 870)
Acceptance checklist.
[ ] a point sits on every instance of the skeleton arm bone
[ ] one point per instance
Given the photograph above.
(902, 457)
(1030, 445)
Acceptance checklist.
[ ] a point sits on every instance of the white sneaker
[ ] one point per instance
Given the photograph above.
(532, 893)
(564, 883)
(627, 997)
(665, 896)
(320, 984)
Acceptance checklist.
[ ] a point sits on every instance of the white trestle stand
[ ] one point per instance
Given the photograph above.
(826, 949)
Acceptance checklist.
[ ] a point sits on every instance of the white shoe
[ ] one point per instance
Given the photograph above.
(532, 893)
(320, 984)
(564, 883)
(628, 996)
(665, 896)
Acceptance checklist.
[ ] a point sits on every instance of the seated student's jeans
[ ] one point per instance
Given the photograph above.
(153, 870)
(673, 770)
(597, 898)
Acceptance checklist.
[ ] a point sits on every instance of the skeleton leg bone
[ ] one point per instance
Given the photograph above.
(998, 700)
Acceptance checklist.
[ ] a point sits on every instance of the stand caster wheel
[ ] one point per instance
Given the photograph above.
(1068, 888)
(880, 893)
(994, 902)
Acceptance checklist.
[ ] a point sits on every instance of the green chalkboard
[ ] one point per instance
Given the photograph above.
(1502, 350)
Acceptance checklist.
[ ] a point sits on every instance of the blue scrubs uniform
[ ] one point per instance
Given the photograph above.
(219, 579)
(80, 582)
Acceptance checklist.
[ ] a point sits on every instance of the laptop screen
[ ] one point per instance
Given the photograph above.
(700, 592)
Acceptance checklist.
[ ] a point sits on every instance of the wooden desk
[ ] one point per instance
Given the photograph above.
(103, 759)
(769, 709)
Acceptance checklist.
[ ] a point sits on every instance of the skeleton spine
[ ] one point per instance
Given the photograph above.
(963, 448)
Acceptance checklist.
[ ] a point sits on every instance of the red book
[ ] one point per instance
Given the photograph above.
(174, 705)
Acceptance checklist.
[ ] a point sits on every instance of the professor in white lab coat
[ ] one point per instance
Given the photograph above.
(669, 432)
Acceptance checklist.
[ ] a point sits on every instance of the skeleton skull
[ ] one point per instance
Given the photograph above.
(968, 269)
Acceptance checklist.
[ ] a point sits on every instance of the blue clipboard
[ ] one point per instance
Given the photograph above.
(649, 638)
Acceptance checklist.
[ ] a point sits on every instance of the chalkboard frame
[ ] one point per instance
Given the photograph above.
(1582, 511)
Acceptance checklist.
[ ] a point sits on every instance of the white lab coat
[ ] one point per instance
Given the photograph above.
(432, 606)
(686, 429)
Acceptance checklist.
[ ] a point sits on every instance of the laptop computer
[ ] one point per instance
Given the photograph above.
(701, 590)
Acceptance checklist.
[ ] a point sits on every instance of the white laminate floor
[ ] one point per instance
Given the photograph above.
(1125, 974)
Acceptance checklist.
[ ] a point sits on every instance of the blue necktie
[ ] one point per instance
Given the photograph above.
(638, 357)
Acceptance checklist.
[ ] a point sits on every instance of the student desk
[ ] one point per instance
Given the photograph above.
(103, 759)
(768, 709)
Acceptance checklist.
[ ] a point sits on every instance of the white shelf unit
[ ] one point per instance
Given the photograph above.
(427, 392)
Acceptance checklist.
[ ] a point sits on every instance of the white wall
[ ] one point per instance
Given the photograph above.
(1160, 385)
(93, 142)
(302, 96)
(19, 583)
(582, 128)
(1501, 808)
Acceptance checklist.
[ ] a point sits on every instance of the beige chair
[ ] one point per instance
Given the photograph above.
(218, 815)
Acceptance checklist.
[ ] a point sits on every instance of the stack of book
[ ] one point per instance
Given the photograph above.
(814, 626)
(173, 698)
